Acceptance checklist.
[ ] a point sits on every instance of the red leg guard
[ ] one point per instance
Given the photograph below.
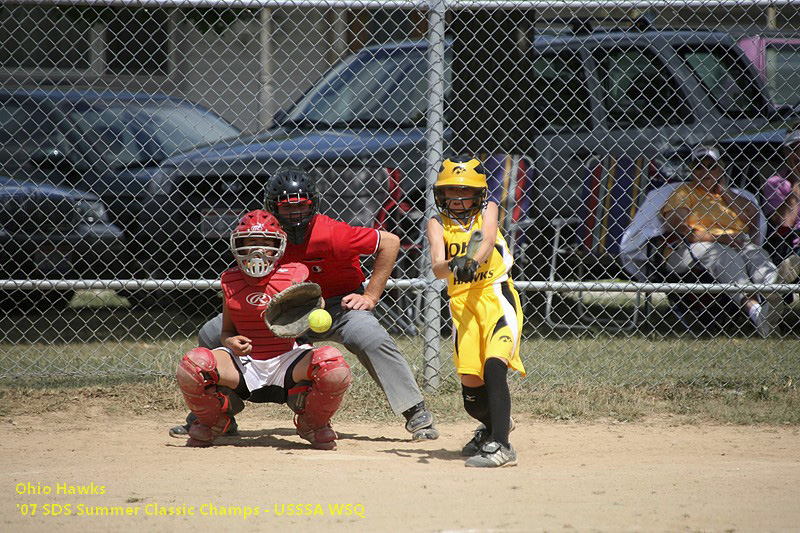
(197, 377)
(330, 375)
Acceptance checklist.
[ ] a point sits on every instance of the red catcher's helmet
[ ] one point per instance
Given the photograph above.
(258, 243)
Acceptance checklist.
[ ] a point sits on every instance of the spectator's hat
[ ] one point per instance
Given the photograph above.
(792, 138)
(704, 152)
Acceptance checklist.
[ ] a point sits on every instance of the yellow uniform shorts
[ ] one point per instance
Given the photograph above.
(486, 323)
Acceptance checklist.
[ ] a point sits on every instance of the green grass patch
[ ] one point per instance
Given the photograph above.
(623, 378)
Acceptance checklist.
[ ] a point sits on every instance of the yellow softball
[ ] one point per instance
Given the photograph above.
(319, 320)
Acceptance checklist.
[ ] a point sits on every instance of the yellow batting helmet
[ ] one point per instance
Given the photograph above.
(461, 173)
(464, 173)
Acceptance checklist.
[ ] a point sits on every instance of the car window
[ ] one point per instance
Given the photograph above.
(639, 90)
(783, 73)
(179, 127)
(725, 79)
(381, 88)
(562, 98)
(108, 131)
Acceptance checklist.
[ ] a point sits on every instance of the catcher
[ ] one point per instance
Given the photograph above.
(332, 250)
(264, 309)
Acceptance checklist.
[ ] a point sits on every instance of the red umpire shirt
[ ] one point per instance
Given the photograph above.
(332, 252)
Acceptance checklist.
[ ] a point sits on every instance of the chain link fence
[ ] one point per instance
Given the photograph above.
(133, 137)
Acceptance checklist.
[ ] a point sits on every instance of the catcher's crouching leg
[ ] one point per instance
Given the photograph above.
(330, 376)
(197, 377)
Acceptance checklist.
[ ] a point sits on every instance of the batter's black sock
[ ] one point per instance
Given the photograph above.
(476, 403)
(495, 372)
(408, 413)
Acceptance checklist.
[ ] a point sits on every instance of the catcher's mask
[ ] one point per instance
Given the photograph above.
(258, 243)
(296, 191)
(467, 177)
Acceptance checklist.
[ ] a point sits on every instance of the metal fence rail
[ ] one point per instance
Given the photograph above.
(134, 134)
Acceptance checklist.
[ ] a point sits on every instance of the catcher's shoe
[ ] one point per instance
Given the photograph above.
(182, 432)
(200, 436)
(422, 426)
(479, 439)
(493, 455)
(323, 438)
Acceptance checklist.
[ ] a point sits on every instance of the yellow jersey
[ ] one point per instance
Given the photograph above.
(494, 270)
(707, 210)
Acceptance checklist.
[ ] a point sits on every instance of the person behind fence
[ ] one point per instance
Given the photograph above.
(781, 194)
(485, 306)
(331, 250)
(710, 226)
(252, 363)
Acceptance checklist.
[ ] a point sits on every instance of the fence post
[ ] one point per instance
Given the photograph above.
(434, 148)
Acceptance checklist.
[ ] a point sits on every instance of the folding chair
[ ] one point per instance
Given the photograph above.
(611, 193)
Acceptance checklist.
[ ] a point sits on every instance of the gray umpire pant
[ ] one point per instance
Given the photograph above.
(726, 264)
(361, 334)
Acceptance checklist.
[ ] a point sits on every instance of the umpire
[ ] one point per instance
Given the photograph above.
(332, 251)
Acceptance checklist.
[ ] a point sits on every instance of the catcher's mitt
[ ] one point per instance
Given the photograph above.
(287, 312)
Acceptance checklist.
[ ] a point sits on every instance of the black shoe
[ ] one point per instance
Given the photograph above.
(421, 426)
(182, 432)
(478, 439)
(481, 437)
(493, 455)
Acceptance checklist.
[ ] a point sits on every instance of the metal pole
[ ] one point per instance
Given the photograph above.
(413, 284)
(570, 5)
(432, 300)
(266, 102)
(772, 18)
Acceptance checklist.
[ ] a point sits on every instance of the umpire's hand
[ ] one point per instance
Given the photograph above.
(359, 302)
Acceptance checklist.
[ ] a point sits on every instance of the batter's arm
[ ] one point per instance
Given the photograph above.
(436, 241)
(489, 229)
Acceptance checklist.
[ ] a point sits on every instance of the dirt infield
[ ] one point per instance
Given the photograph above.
(113, 474)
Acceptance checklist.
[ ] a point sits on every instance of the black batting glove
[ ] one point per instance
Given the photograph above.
(463, 268)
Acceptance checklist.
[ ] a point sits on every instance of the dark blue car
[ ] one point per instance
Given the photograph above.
(106, 143)
(49, 232)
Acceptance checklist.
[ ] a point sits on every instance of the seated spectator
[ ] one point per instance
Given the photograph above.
(711, 227)
(647, 229)
(782, 203)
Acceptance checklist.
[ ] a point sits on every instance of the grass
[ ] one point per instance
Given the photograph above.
(94, 352)
(581, 379)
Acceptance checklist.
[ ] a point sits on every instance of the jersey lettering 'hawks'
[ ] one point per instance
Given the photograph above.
(246, 303)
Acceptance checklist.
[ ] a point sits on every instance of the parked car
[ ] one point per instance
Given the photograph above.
(616, 93)
(777, 59)
(106, 143)
(49, 232)
(754, 157)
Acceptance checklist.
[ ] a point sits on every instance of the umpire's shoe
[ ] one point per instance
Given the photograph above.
(421, 424)
(182, 432)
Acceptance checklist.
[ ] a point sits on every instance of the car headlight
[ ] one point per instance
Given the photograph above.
(92, 211)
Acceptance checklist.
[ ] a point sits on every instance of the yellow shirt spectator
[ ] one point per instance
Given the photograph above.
(707, 210)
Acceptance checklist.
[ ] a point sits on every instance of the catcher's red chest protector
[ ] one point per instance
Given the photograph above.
(246, 304)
